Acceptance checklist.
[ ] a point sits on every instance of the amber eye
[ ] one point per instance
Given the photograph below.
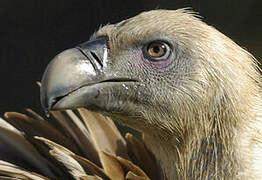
(158, 50)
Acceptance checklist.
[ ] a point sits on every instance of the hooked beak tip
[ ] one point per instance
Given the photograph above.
(70, 70)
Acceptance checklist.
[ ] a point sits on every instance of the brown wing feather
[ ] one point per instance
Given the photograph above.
(107, 151)
(104, 133)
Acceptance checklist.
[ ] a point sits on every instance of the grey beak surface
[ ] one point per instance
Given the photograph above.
(70, 72)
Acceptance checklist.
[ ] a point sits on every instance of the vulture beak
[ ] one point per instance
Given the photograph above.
(70, 78)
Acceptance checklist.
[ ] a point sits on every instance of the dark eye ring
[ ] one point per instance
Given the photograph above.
(157, 51)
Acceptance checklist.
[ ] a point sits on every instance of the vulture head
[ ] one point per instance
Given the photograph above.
(192, 91)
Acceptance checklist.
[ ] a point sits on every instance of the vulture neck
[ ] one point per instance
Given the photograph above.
(227, 151)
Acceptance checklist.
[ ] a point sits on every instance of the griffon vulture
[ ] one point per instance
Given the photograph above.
(191, 91)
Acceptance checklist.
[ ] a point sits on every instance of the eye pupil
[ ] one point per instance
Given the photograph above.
(156, 49)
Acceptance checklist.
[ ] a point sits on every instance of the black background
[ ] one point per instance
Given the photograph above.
(32, 32)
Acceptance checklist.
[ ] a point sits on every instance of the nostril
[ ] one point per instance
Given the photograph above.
(96, 58)
(96, 51)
